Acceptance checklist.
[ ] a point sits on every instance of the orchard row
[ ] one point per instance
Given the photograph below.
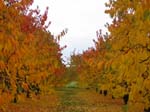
(119, 64)
(30, 56)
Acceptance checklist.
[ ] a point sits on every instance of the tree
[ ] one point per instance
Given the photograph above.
(30, 57)
(130, 40)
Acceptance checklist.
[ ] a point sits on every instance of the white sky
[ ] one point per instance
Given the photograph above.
(82, 18)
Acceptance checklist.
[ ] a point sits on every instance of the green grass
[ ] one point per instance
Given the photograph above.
(125, 108)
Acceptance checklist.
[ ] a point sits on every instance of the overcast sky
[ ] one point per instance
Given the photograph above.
(82, 18)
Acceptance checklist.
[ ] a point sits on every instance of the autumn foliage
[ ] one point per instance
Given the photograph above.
(120, 61)
(30, 56)
(118, 65)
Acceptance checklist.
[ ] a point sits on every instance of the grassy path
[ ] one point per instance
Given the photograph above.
(80, 100)
(68, 100)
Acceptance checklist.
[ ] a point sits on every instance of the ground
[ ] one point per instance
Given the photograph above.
(67, 100)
